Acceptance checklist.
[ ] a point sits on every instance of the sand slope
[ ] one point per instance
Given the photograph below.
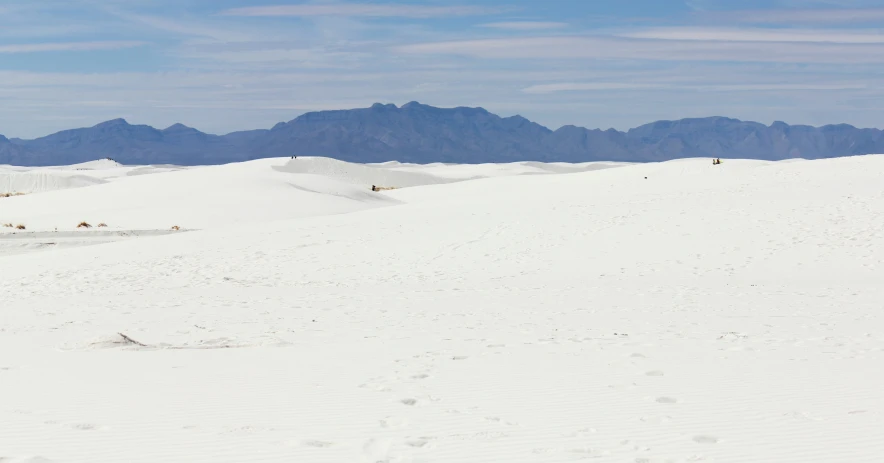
(29, 180)
(234, 194)
(471, 171)
(670, 312)
(37, 182)
(126, 197)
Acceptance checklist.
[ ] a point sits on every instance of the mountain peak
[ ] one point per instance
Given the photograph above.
(113, 123)
(381, 106)
(413, 105)
(179, 128)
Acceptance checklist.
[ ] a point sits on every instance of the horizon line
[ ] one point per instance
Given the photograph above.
(412, 103)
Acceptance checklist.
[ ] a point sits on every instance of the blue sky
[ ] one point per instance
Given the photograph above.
(224, 65)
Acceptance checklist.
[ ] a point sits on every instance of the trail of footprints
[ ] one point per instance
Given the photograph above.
(662, 408)
(384, 450)
(666, 401)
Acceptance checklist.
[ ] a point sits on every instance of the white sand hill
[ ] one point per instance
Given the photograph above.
(669, 312)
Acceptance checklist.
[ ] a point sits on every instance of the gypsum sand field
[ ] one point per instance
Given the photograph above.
(705, 313)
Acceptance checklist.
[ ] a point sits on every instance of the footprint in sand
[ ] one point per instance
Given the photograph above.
(656, 419)
(497, 419)
(666, 400)
(582, 432)
(393, 422)
(705, 439)
(409, 402)
(801, 416)
(85, 426)
(587, 452)
(375, 384)
(80, 426)
(316, 443)
(377, 449)
(654, 373)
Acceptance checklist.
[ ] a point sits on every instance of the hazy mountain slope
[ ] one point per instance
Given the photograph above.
(412, 133)
(11, 153)
(133, 144)
(418, 133)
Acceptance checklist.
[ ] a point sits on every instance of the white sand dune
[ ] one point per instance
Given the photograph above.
(401, 175)
(28, 180)
(472, 171)
(670, 312)
(360, 174)
(143, 170)
(41, 181)
(98, 164)
(233, 194)
(256, 191)
(20, 242)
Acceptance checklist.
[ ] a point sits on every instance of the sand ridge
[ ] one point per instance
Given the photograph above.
(660, 312)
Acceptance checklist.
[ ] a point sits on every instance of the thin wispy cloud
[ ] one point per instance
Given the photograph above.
(781, 87)
(251, 64)
(69, 46)
(184, 28)
(758, 35)
(361, 9)
(525, 25)
(545, 89)
(601, 47)
(807, 16)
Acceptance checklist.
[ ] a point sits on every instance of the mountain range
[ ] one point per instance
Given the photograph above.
(419, 133)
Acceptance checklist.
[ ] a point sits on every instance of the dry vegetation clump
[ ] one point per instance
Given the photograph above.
(6, 195)
(20, 227)
(382, 188)
(7, 225)
(102, 225)
(84, 225)
(176, 227)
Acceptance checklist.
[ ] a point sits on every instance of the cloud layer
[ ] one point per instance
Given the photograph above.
(245, 66)
(360, 9)
(68, 46)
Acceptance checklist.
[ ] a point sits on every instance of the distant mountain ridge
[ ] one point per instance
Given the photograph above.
(420, 133)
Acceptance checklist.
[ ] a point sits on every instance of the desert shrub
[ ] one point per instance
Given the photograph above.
(7, 225)
(176, 227)
(84, 225)
(20, 227)
(102, 225)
